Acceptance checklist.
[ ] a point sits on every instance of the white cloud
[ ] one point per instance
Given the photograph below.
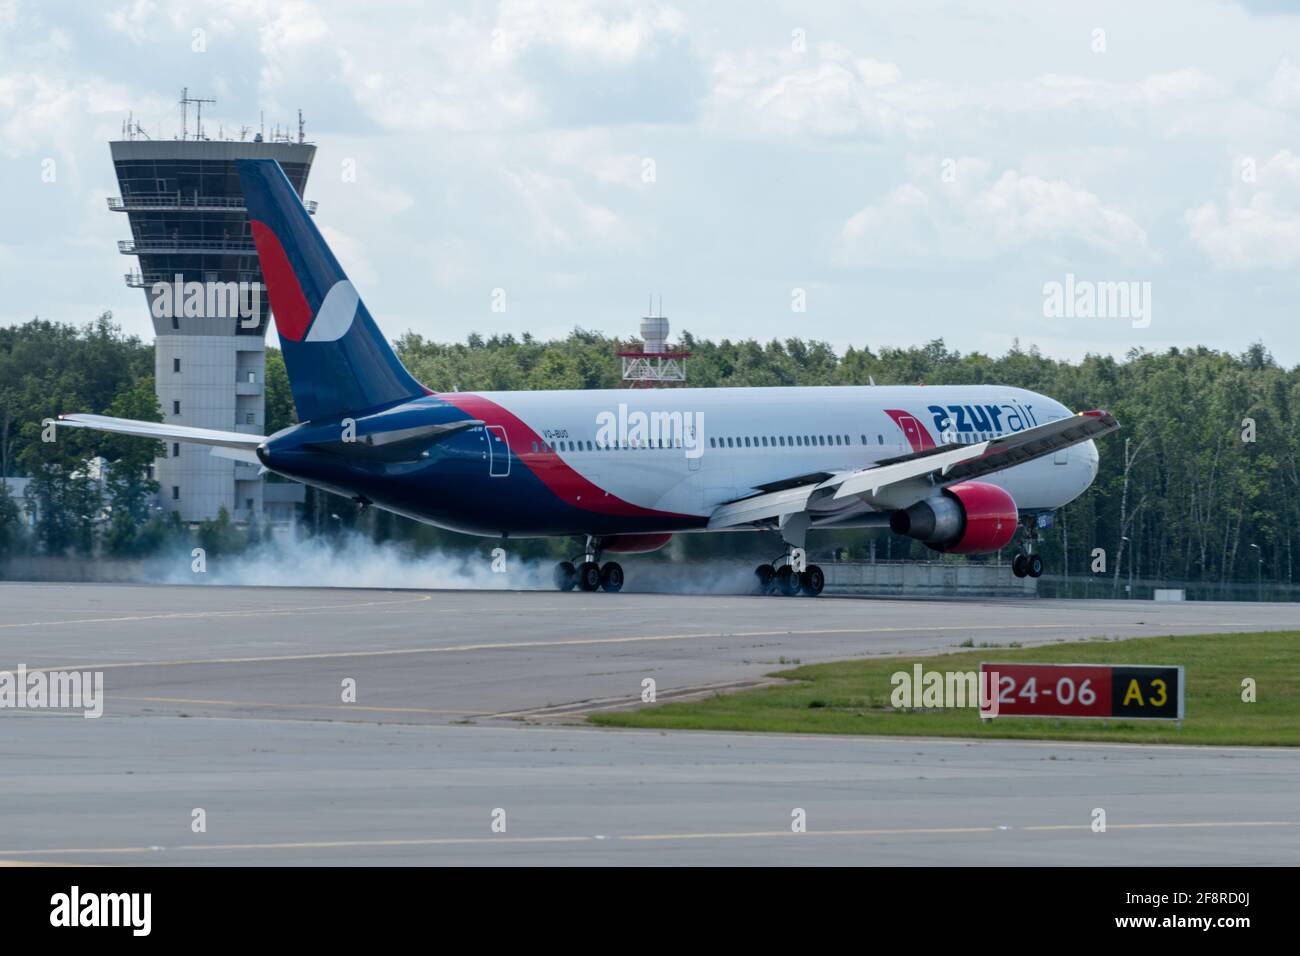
(133, 19)
(297, 32)
(560, 216)
(594, 154)
(529, 64)
(1054, 91)
(1021, 210)
(830, 91)
(617, 33)
(823, 92)
(352, 256)
(1284, 88)
(967, 216)
(1259, 224)
(1181, 86)
(504, 141)
(43, 113)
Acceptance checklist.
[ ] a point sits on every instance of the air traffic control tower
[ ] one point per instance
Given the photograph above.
(189, 225)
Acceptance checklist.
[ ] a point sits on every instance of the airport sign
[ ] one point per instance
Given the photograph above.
(1146, 692)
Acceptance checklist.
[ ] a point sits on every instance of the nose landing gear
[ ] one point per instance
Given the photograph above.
(1028, 562)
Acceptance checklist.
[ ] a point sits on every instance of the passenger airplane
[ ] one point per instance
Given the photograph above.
(959, 468)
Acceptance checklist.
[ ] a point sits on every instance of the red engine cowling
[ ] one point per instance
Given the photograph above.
(634, 543)
(970, 517)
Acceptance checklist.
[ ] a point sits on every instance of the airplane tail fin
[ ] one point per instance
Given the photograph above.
(338, 361)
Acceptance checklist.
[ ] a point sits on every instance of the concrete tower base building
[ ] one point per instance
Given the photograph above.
(203, 283)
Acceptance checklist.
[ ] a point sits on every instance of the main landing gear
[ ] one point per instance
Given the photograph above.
(1028, 561)
(780, 577)
(789, 574)
(587, 573)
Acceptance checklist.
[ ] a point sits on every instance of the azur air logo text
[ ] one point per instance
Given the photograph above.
(982, 418)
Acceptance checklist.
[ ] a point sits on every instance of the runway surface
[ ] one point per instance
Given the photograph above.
(230, 700)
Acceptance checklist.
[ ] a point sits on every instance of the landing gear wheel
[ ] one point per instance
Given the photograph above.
(565, 576)
(787, 582)
(588, 575)
(812, 580)
(765, 574)
(1028, 562)
(611, 577)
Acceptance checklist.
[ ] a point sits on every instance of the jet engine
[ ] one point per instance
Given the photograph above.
(970, 517)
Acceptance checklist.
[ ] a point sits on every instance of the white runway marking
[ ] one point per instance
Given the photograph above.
(576, 642)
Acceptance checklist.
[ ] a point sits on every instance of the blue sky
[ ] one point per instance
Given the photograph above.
(918, 169)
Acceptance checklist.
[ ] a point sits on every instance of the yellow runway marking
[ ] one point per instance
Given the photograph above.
(581, 708)
(921, 831)
(572, 642)
(303, 845)
(195, 615)
(4, 863)
(640, 837)
(302, 706)
(1166, 826)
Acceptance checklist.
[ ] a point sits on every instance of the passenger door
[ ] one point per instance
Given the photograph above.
(498, 451)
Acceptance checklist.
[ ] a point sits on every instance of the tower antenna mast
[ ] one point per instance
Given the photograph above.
(186, 100)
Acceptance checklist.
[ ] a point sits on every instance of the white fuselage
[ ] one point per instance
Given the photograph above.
(689, 450)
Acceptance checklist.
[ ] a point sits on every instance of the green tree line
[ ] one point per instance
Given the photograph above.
(1212, 438)
(1201, 484)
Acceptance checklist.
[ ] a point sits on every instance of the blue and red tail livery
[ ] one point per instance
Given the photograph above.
(339, 363)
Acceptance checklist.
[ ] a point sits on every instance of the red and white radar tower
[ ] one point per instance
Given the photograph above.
(654, 366)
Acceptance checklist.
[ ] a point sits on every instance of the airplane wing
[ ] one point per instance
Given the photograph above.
(1023, 446)
(773, 504)
(236, 445)
(899, 481)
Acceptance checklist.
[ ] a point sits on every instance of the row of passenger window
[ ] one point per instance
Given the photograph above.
(744, 441)
(783, 441)
(568, 446)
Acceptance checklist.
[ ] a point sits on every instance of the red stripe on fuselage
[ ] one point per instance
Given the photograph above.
(568, 485)
(916, 434)
(288, 304)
